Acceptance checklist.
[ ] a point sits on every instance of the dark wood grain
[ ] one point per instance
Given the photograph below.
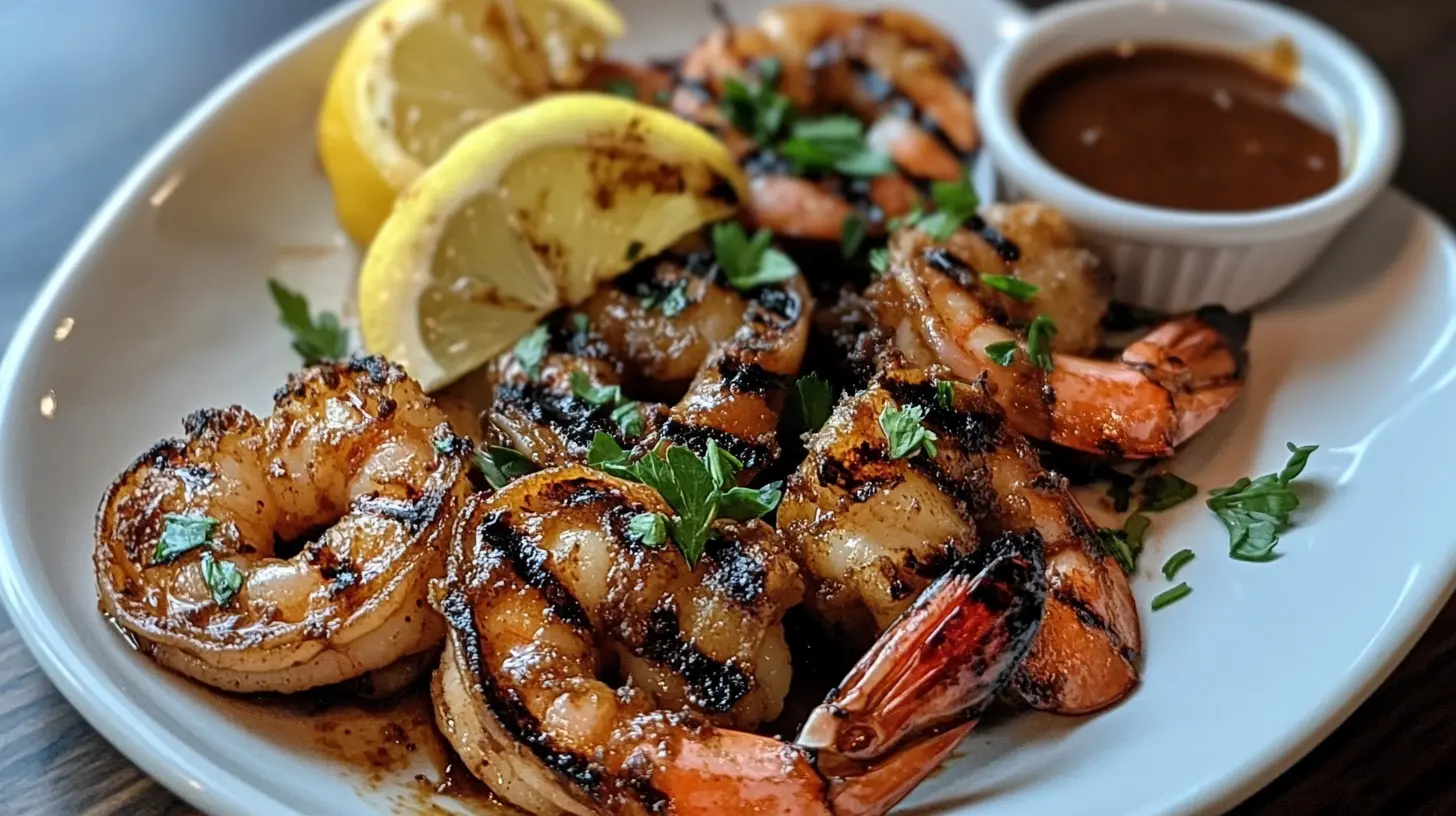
(1396, 754)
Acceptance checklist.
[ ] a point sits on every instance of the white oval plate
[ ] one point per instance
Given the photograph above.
(161, 308)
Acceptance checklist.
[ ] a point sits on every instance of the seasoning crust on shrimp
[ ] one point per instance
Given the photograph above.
(356, 472)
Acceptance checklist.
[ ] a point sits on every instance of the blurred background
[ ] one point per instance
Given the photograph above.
(87, 86)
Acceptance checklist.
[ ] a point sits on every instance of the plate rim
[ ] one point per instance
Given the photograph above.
(204, 784)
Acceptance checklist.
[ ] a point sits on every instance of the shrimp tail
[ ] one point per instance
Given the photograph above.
(927, 680)
(1199, 360)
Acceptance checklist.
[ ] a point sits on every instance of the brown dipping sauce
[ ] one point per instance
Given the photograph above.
(1181, 128)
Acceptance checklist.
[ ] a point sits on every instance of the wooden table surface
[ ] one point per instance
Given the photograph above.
(1396, 754)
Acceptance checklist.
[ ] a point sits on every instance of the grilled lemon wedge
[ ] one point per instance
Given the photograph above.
(416, 74)
(528, 213)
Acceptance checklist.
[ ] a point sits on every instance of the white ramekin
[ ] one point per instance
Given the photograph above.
(1176, 260)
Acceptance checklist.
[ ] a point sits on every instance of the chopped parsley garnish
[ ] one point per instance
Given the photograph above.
(580, 324)
(625, 413)
(671, 302)
(748, 263)
(1256, 511)
(1119, 489)
(810, 402)
(634, 250)
(880, 260)
(1173, 595)
(1175, 562)
(628, 416)
(501, 465)
(316, 341)
(223, 578)
(909, 219)
(180, 534)
(1039, 342)
(583, 388)
(906, 434)
(620, 87)
(1002, 353)
(530, 350)
(698, 489)
(1126, 544)
(648, 529)
(609, 457)
(955, 201)
(851, 236)
(834, 144)
(757, 109)
(1014, 288)
(1162, 491)
(944, 393)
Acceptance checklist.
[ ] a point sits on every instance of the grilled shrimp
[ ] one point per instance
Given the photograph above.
(895, 72)
(210, 552)
(1156, 395)
(585, 673)
(871, 532)
(734, 354)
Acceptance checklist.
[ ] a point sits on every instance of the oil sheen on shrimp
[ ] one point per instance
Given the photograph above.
(1156, 395)
(894, 71)
(726, 357)
(325, 523)
(871, 532)
(585, 673)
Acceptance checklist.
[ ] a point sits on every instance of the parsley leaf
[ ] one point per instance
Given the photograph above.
(757, 109)
(530, 350)
(906, 435)
(1119, 489)
(685, 481)
(580, 324)
(944, 393)
(1039, 341)
(628, 416)
(1176, 562)
(315, 342)
(180, 534)
(1256, 511)
(1126, 544)
(608, 457)
(634, 250)
(909, 219)
(810, 402)
(1175, 594)
(1162, 491)
(835, 144)
(748, 263)
(501, 465)
(698, 489)
(746, 503)
(880, 260)
(620, 87)
(648, 529)
(851, 236)
(223, 578)
(722, 466)
(955, 201)
(582, 388)
(1014, 288)
(1002, 353)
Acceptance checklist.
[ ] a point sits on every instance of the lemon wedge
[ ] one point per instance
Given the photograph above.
(416, 74)
(526, 214)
